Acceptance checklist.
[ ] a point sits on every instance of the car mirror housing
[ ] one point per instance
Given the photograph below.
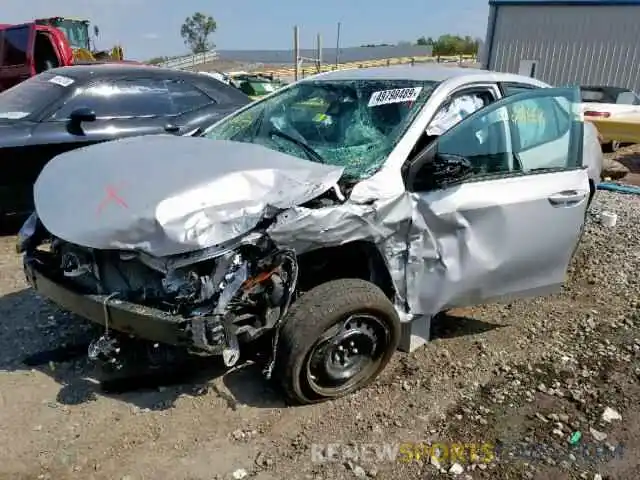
(83, 114)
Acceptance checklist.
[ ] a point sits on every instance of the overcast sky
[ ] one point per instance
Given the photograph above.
(149, 28)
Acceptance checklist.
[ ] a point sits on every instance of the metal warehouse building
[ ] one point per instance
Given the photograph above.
(587, 42)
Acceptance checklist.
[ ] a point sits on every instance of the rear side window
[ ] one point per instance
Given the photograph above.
(185, 97)
(121, 99)
(588, 95)
(627, 98)
(223, 93)
(15, 45)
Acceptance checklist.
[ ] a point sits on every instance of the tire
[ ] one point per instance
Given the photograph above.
(361, 316)
(607, 147)
(611, 147)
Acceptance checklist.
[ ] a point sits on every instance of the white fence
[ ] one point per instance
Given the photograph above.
(189, 61)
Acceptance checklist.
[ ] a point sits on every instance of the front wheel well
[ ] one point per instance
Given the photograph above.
(359, 259)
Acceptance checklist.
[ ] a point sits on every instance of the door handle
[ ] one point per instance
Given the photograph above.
(567, 198)
(172, 128)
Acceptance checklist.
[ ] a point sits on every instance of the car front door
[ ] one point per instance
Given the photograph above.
(110, 109)
(499, 203)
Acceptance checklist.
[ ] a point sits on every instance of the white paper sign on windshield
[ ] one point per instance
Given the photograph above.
(61, 80)
(398, 95)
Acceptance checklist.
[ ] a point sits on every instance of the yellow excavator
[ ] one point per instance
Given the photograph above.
(77, 33)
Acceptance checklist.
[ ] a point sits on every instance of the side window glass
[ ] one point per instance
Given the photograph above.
(512, 89)
(186, 97)
(15, 44)
(538, 121)
(453, 112)
(93, 97)
(543, 129)
(627, 98)
(484, 141)
(141, 98)
(121, 98)
(223, 93)
(523, 136)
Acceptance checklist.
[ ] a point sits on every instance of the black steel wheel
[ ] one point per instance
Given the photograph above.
(336, 339)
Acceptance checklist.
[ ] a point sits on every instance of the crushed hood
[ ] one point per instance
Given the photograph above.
(167, 195)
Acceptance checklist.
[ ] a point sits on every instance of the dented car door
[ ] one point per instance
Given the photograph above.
(500, 202)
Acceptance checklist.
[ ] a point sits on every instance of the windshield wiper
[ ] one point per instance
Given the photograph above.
(313, 155)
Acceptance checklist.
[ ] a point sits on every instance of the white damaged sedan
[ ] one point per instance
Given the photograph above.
(337, 215)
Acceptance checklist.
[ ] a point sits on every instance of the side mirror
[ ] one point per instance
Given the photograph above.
(82, 114)
(450, 169)
(441, 171)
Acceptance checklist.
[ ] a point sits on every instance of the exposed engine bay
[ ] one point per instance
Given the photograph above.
(223, 295)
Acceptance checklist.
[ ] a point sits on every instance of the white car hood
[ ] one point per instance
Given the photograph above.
(167, 195)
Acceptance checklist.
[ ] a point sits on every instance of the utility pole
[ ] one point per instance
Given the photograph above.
(296, 53)
(338, 46)
(319, 53)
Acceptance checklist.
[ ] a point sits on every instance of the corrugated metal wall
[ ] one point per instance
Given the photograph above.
(598, 45)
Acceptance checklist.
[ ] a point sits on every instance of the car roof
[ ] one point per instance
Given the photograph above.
(87, 71)
(434, 73)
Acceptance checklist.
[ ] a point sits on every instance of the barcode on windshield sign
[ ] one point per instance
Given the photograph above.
(398, 95)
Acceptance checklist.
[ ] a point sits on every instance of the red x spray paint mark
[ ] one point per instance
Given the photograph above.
(111, 196)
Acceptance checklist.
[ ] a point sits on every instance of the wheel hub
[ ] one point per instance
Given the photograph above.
(349, 353)
(345, 351)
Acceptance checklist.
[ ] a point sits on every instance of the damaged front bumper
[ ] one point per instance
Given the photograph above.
(245, 298)
(125, 317)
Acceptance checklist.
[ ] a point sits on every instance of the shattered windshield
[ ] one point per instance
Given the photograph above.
(352, 124)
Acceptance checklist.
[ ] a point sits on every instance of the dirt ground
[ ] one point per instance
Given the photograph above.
(526, 383)
(629, 156)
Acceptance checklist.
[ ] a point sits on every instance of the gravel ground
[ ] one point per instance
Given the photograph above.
(548, 387)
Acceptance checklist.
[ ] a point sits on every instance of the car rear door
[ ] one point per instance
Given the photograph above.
(221, 100)
(508, 229)
(192, 107)
(16, 54)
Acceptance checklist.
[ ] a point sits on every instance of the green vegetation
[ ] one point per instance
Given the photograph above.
(451, 45)
(196, 30)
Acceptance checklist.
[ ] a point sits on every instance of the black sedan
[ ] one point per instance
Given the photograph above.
(71, 107)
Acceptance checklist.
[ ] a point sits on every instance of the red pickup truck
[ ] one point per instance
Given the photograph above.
(28, 49)
(31, 48)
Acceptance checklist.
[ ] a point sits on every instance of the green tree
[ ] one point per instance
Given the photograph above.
(448, 45)
(425, 41)
(196, 30)
(156, 60)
